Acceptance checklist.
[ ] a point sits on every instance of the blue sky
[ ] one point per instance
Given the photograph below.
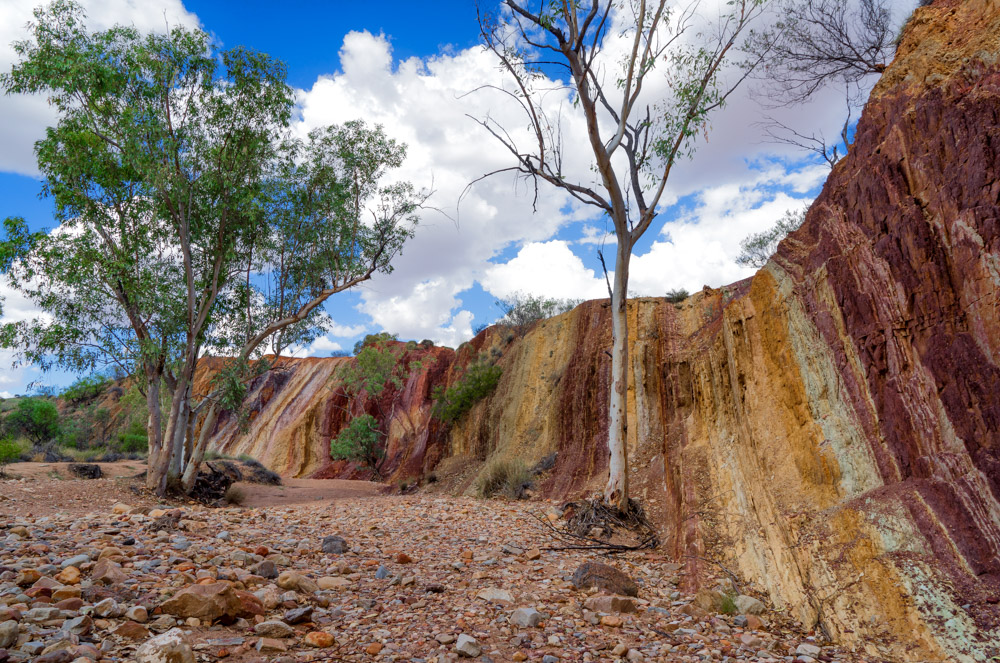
(410, 66)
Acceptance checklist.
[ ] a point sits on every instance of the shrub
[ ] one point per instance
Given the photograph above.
(247, 459)
(35, 418)
(677, 296)
(360, 441)
(380, 338)
(521, 310)
(134, 439)
(509, 478)
(727, 605)
(85, 389)
(235, 495)
(756, 249)
(478, 381)
(10, 451)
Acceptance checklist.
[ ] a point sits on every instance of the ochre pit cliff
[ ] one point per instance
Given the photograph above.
(828, 429)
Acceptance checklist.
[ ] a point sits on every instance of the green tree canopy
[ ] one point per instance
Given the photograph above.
(191, 219)
(34, 418)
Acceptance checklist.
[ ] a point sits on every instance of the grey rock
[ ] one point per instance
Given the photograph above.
(8, 633)
(549, 658)
(81, 625)
(274, 629)
(265, 569)
(383, 572)
(36, 615)
(806, 649)
(748, 605)
(108, 608)
(525, 617)
(334, 545)
(467, 646)
(298, 615)
(76, 560)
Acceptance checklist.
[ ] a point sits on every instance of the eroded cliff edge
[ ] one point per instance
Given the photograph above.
(830, 428)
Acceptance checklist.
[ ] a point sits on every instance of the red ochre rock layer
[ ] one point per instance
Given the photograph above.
(829, 429)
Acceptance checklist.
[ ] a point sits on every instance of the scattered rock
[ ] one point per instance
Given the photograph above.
(525, 617)
(171, 647)
(334, 545)
(132, 631)
(748, 605)
(709, 600)
(8, 633)
(609, 604)
(298, 615)
(107, 572)
(333, 582)
(495, 595)
(468, 646)
(265, 569)
(806, 649)
(208, 602)
(274, 629)
(319, 639)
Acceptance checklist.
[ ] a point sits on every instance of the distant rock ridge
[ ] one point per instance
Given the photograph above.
(829, 429)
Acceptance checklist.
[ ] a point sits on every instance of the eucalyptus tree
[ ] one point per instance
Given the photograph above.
(190, 220)
(611, 53)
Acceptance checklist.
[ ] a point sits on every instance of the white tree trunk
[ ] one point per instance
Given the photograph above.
(198, 452)
(155, 467)
(616, 491)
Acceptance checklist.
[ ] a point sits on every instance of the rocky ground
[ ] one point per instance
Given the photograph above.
(353, 577)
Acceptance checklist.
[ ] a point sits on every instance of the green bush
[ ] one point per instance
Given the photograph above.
(34, 418)
(134, 439)
(10, 451)
(85, 389)
(677, 296)
(479, 380)
(521, 310)
(360, 441)
(727, 605)
(509, 478)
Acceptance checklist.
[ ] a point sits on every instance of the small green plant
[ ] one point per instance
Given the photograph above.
(677, 295)
(360, 441)
(509, 478)
(727, 605)
(478, 381)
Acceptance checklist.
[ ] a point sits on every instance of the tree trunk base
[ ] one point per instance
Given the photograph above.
(598, 521)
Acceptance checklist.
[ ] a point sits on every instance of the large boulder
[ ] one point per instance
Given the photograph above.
(211, 602)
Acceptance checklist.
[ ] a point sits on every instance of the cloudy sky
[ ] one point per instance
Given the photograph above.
(413, 67)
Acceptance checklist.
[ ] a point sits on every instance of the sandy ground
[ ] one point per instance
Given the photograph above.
(40, 489)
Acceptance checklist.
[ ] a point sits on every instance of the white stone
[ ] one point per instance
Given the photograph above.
(171, 647)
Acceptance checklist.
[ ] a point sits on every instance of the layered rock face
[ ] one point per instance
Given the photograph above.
(829, 429)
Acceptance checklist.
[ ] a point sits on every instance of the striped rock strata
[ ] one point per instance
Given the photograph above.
(829, 429)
